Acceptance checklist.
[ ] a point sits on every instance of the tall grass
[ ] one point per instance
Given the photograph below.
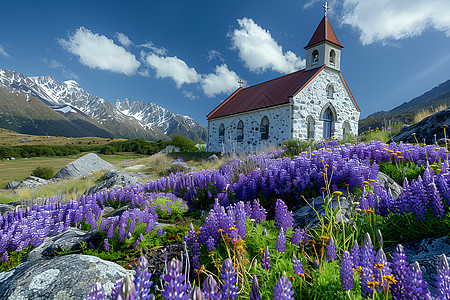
(428, 112)
(64, 190)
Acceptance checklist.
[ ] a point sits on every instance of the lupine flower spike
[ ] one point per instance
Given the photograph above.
(331, 250)
(255, 294)
(229, 277)
(266, 259)
(346, 271)
(283, 289)
(443, 278)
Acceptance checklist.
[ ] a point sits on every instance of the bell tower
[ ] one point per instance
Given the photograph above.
(324, 47)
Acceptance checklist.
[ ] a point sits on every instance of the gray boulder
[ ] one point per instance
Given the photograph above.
(212, 158)
(67, 241)
(305, 216)
(389, 184)
(5, 208)
(179, 166)
(64, 277)
(429, 129)
(83, 166)
(114, 179)
(29, 182)
(12, 185)
(427, 253)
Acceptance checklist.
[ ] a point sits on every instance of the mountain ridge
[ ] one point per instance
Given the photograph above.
(95, 115)
(405, 112)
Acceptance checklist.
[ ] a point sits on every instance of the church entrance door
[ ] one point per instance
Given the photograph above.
(327, 123)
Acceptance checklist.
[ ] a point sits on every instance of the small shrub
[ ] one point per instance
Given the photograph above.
(43, 172)
(295, 147)
(107, 150)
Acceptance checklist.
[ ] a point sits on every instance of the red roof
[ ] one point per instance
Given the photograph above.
(270, 93)
(324, 32)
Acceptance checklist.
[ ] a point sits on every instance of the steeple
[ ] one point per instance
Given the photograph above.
(323, 47)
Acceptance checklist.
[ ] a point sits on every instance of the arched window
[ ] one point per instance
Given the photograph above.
(327, 123)
(315, 56)
(346, 129)
(310, 127)
(332, 57)
(221, 133)
(264, 128)
(240, 132)
(330, 91)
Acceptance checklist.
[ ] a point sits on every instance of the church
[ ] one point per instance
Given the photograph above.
(312, 103)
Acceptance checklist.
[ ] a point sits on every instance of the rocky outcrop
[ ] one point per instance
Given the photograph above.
(83, 166)
(29, 182)
(115, 179)
(428, 130)
(305, 216)
(65, 277)
(67, 241)
(389, 184)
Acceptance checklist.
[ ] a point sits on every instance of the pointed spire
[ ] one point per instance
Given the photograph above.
(323, 33)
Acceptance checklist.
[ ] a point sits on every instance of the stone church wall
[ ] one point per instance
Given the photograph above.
(279, 127)
(312, 101)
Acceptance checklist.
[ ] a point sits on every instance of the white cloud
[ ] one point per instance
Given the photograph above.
(213, 54)
(3, 52)
(144, 73)
(260, 52)
(190, 95)
(123, 39)
(222, 81)
(157, 50)
(172, 67)
(54, 64)
(98, 52)
(381, 20)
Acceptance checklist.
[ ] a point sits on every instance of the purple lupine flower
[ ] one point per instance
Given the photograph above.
(210, 244)
(283, 218)
(266, 259)
(255, 294)
(142, 278)
(367, 259)
(283, 289)
(346, 271)
(298, 267)
(229, 276)
(281, 240)
(443, 278)
(355, 253)
(127, 289)
(197, 294)
(381, 268)
(435, 201)
(96, 293)
(264, 232)
(106, 245)
(5, 257)
(175, 288)
(419, 286)
(258, 212)
(401, 272)
(331, 250)
(160, 231)
(211, 289)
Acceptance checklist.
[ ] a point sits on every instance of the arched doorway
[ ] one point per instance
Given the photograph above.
(327, 123)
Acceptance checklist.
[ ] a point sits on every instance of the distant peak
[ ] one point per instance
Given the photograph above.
(72, 83)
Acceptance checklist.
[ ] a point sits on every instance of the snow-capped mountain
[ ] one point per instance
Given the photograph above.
(94, 114)
(151, 115)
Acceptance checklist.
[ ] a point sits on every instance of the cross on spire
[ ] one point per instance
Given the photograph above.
(240, 82)
(326, 7)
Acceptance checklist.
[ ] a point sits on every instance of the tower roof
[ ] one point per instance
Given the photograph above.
(323, 33)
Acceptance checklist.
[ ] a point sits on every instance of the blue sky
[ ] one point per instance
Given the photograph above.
(188, 56)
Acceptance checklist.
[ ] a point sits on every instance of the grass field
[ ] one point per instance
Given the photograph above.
(11, 138)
